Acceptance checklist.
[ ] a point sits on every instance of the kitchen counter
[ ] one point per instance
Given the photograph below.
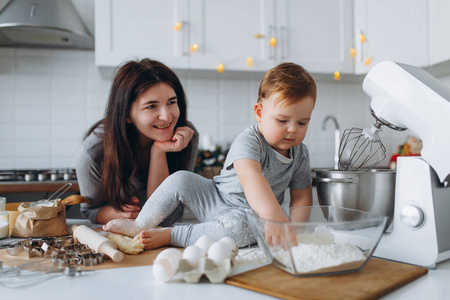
(36, 186)
(138, 282)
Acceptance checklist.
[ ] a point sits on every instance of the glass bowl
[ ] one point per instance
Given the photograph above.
(319, 240)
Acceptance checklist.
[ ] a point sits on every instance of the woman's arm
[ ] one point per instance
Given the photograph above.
(89, 180)
(158, 169)
(108, 213)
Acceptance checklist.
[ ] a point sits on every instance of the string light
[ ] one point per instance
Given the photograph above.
(220, 68)
(337, 76)
(249, 61)
(178, 26)
(194, 48)
(353, 52)
(273, 42)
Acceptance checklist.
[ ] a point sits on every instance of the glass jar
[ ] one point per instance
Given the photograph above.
(4, 219)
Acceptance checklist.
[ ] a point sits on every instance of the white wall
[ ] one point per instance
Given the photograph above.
(48, 99)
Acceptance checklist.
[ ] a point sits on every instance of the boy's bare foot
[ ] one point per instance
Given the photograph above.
(155, 237)
(122, 226)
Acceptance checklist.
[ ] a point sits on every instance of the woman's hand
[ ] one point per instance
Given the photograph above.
(181, 138)
(129, 211)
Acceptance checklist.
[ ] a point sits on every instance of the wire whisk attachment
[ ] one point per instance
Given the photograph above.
(361, 149)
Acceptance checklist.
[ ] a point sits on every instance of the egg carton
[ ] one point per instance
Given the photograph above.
(214, 260)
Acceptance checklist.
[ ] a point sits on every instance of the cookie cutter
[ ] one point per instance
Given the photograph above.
(92, 259)
(63, 260)
(76, 249)
(15, 248)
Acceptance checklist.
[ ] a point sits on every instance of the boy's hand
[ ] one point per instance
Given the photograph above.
(280, 236)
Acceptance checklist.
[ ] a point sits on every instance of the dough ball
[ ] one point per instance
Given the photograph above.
(127, 244)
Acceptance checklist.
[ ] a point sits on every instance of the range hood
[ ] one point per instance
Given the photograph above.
(43, 24)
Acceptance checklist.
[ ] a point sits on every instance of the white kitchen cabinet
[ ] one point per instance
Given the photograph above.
(256, 35)
(141, 28)
(315, 34)
(414, 32)
(229, 32)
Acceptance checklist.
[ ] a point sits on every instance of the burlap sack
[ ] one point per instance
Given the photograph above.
(41, 221)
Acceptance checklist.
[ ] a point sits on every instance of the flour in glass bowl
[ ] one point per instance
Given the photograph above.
(318, 251)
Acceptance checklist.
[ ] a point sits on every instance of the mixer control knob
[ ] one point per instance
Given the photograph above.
(412, 216)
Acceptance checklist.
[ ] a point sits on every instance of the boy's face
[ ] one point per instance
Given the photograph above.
(283, 126)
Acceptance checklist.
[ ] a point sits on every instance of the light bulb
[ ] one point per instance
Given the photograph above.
(220, 68)
(337, 76)
(249, 61)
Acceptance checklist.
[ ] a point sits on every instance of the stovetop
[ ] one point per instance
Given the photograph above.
(29, 175)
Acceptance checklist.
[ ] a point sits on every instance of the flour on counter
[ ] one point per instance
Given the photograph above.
(253, 255)
(317, 251)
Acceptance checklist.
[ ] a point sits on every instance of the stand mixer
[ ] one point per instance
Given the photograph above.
(402, 97)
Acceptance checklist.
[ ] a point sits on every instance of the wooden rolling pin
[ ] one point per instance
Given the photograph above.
(97, 242)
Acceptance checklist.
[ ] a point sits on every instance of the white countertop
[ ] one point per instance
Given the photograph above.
(138, 282)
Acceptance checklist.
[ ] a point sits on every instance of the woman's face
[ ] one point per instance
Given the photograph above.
(155, 113)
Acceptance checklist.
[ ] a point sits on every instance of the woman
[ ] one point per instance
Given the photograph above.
(143, 138)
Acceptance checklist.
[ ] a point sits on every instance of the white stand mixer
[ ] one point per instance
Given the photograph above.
(408, 97)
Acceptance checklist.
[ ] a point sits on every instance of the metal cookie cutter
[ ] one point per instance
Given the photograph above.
(76, 249)
(92, 259)
(15, 248)
(63, 260)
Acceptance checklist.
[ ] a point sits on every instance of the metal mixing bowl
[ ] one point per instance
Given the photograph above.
(372, 191)
(329, 240)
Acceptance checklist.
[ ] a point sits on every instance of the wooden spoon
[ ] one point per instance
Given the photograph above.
(74, 200)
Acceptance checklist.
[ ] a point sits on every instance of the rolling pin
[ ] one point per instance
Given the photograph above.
(97, 242)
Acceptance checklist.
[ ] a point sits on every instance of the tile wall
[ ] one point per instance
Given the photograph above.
(48, 99)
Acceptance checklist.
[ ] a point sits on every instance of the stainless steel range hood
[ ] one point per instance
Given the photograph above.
(43, 24)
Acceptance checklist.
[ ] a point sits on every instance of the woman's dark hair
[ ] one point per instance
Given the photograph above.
(120, 139)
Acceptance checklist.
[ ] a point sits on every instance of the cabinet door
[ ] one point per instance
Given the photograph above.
(140, 28)
(230, 33)
(392, 30)
(315, 34)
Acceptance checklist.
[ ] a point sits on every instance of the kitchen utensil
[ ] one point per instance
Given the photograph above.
(372, 191)
(330, 240)
(74, 200)
(404, 96)
(97, 242)
(60, 191)
(378, 278)
(361, 149)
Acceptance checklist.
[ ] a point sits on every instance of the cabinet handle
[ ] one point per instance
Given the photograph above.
(272, 41)
(180, 27)
(283, 42)
(184, 38)
(362, 40)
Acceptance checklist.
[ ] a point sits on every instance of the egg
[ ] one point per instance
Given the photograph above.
(163, 270)
(218, 252)
(193, 254)
(172, 255)
(204, 242)
(229, 241)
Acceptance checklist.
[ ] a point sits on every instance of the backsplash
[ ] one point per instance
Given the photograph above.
(49, 98)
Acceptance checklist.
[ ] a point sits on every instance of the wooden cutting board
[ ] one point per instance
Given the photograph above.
(378, 278)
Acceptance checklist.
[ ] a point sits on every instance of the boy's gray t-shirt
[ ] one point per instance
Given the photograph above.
(250, 144)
